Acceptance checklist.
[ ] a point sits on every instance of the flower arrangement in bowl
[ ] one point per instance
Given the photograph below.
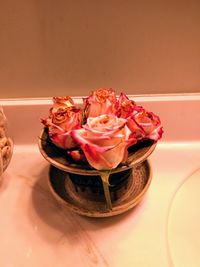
(98, 144)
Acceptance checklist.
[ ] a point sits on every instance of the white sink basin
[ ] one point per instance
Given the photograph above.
(183, 223)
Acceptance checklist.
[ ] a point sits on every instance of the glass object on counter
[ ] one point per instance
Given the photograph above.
(6, 144)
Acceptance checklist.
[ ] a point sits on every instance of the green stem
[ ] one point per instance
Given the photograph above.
(105, 180)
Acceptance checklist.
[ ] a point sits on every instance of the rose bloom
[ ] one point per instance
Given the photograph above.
(100, 102)
(145, 125)
(64, 117)
(126, 107)
(104, 141)
(63, 101)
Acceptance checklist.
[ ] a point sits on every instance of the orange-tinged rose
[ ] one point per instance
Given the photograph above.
(63, 118)
(145, 125)
(126, 107)
(63, 101)
(100, 102)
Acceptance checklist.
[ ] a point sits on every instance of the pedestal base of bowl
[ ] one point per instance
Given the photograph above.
(91, 202)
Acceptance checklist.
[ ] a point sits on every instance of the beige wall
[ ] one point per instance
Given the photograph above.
(60, 47)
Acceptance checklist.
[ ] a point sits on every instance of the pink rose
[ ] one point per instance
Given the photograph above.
(126, 107)
(63, 118)
(145, 125)
(104, 141)
(100, 102)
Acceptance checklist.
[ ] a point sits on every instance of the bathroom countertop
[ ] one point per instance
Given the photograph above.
(37, 231)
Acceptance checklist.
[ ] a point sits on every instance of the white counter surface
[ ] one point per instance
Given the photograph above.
(36, 231)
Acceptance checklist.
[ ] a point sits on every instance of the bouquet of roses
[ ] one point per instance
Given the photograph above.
(102, 131)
